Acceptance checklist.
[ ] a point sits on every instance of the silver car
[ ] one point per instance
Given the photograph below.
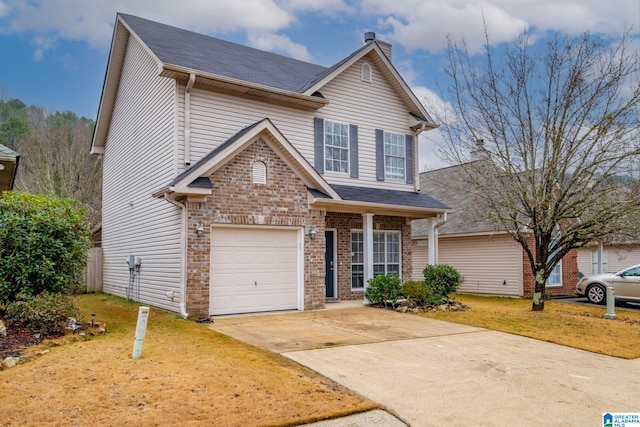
(625, 283)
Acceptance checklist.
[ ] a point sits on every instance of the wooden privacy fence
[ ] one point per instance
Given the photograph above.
(93, 270)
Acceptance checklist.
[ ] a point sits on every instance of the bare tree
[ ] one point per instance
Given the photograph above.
(55, 160)
(557, 138)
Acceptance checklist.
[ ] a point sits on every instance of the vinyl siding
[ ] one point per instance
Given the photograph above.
(371, 106)
(216, 116)
(485, 262)
(138, 160)
(619, 257)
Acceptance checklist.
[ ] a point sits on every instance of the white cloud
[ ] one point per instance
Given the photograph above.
(423, 24)
(430, 142)
(42, 44)
(277, 43)
(92, 21)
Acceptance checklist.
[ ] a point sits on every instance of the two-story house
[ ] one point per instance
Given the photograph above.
(238, 180)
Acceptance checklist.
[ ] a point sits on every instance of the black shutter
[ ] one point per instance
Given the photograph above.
(353, 142)
(408, 140)
(379, 155)
(318, 143)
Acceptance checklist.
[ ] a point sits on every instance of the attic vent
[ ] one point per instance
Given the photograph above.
(259, 173)
(365, 73)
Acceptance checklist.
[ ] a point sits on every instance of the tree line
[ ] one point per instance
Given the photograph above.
(54, 154)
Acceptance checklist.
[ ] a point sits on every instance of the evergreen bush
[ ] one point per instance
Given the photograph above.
(43, 245)
(384, 288)
(441, 280)
(47, 312)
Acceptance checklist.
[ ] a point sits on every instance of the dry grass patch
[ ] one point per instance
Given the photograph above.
(561, 323)
(188, 375)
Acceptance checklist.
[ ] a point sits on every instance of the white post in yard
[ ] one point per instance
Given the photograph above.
(141, 330)
(611, 304)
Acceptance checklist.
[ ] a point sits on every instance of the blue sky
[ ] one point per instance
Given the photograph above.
(54, 52)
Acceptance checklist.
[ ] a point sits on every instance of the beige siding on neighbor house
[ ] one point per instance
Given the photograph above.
(485, 262)
(618, 258)
(141, 137)
(215, 117)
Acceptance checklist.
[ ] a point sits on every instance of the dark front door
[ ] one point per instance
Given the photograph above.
(329, 259)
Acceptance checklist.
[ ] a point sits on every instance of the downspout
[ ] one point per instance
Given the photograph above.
(416, 159)
(187, 119)
(183, 252)
(433, 237)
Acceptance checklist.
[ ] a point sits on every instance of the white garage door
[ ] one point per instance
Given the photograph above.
(253, 269)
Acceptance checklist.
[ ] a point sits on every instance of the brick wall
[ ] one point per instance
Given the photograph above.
(569, 274)
(282, 201)
(344, 223)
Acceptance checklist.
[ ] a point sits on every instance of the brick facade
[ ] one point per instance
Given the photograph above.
(569, 274)
(282, 201)
(344, 223)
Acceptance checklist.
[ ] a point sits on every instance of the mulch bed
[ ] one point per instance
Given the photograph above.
(17, 339)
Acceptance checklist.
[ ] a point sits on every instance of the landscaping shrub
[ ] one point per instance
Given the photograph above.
(416, 291)
(384, 288)
(48, 312)
(43, 245)
(441, 280)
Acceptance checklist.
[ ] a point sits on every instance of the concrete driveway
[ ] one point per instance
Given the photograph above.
(427, 372)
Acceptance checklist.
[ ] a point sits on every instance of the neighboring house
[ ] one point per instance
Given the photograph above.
(615, 257)
(9, 160)
(490, 261)
(237, 180)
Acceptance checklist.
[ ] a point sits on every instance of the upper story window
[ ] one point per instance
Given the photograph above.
(394, 156)
(336, 147)
(365, 73)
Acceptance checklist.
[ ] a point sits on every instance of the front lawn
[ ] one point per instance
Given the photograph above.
(562, 323)
(188, 375)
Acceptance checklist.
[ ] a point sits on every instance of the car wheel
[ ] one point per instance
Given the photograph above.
(596, 294)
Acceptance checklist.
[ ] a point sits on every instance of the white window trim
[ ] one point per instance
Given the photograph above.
(558, 266)
(348, 148)
(399, 233)
(385, 155)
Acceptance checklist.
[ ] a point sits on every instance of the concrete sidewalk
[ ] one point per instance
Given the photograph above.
(427, 372)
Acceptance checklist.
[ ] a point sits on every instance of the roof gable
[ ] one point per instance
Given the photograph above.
(189, 182)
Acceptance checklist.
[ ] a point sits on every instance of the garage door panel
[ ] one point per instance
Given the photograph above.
(242, 257)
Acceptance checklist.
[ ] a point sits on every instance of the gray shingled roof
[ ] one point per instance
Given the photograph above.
(7, 152)
(207, 54)
(212, 154)
(447, 185)
(388, 197)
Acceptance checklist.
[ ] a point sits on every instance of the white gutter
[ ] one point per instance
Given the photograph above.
(416, 159)
(183, 254)
(187, 119)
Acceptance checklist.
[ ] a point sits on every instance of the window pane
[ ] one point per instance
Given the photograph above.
(394, 155)
(336, 147)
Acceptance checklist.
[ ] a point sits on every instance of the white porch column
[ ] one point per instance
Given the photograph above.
(433, 247)
(367, 243)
